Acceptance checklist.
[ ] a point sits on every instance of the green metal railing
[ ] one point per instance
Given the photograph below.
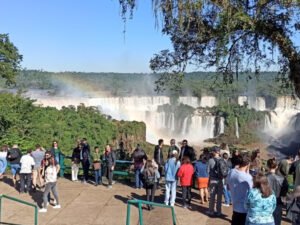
(139, 203)
(22, 202)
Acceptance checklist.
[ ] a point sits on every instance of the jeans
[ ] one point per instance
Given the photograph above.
(216, 188)
(170, 187)
(98, 176)
(138, 181)
(75, 169)
(109, 174)
(25, 179)
(86, 167)
(227, 195)
(15, 168)
(186, 195)
(238, 218)
(50, 187)
(277, 214)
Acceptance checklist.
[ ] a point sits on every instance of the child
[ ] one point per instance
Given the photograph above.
(150, 178)
(185, 174)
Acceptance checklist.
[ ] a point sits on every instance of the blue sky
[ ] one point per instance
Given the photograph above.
(77, 35)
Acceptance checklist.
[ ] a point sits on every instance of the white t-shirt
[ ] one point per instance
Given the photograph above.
(51, 174)
(26, 164)
(3, 154)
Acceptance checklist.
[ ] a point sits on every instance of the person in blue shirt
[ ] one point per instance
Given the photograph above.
(239, 182)
(171, 167)
(202, 178)
(260, 203)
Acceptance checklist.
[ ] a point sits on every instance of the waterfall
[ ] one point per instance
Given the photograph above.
(222, 125)
(184, 126)
(189, 100)
(257, 103)
(208, 101)
(237, 134)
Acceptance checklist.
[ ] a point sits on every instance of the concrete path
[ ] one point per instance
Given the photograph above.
(90, 205)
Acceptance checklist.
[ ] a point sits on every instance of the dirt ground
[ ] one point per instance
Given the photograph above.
(85, 204)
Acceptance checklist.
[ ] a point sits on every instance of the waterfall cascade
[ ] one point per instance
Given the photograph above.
(172, 124)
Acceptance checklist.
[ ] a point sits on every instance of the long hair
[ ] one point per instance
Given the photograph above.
(261, 183)
(149, 169)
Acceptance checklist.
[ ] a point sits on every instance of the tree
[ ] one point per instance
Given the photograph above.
(232, 36)
(9, 59)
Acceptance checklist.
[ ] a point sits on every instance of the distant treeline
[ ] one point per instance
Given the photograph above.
(198, 84)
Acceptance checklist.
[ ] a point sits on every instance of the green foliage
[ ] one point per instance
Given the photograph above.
(9, 59)
(250, 122)
(23, 123)
(232, 36)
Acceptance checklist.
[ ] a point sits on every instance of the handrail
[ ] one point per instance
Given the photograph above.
(142, 202)
(22, 202)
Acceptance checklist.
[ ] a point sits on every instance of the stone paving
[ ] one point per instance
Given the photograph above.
(85, 204)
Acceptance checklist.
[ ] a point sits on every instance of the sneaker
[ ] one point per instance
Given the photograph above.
(56, 207)
(225, 205)
(54, 202)
(109, 187)
(113, 182)
(43, 210)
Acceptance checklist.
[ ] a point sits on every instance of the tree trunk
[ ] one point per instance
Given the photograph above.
(295, 74)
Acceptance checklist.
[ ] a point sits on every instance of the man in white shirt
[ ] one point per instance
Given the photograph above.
(27, 164)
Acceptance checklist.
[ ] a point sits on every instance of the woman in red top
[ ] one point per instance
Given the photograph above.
(185, 174)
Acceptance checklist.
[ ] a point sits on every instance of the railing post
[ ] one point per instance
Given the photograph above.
(0, 208)
(173, 216)
(36, 215)
(128, 214)
(141, 214)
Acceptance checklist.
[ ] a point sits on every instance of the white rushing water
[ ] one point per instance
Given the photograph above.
(195, 127)
(160, 124)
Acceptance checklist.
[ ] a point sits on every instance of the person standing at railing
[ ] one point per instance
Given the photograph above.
(97, 166)
(55, 150)
(38, 156)
(13, 157)
(27, 165)
(50, 170)
(85, 159)
(150, 176)
(76, 161)
(138, 157)
(185, 174)
(159, 157)
(171, 167)
(3, 160)
(110, 159)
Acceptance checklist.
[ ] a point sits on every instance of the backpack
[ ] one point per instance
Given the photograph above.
(148, 178)
(221, 168)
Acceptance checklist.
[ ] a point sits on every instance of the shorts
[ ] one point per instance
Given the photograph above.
(15, 168)
(203, 182)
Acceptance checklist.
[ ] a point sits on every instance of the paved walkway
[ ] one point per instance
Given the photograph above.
(90, 205)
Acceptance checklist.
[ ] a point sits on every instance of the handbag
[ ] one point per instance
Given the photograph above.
(96, 165)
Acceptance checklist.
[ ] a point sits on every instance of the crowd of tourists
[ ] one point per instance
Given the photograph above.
(258, 195)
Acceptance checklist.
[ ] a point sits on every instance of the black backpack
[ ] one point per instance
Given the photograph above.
(221, 168)
(148, 178)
